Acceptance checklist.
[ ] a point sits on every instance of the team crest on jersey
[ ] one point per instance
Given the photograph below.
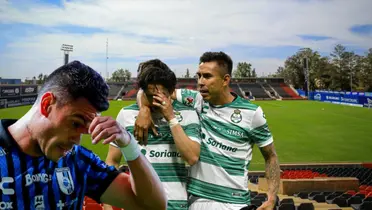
(65, 182)
(236, 117)
(178, 116)
(189, 100)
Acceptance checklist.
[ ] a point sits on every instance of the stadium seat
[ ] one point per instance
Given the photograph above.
(354, 200)
(326, 193)
(93, 206)
(341, 202)
(319, 198)
(260, 197)
(305, 206)
(287, 200)
(360, 195)
(303, 195)
(367, 199)
(365, 206)
(313, 194)
(253, 194)
(256, 202)
(287, 206)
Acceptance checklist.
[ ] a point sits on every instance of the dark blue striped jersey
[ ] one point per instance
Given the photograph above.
(28, 182)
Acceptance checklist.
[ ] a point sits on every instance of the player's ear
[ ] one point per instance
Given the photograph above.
(47, 99)
(226, 79)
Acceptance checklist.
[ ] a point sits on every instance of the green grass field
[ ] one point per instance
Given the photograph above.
(304, 131)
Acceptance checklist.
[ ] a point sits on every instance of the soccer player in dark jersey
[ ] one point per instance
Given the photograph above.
(42, 165)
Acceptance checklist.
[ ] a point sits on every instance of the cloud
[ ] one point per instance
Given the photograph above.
(256, 31)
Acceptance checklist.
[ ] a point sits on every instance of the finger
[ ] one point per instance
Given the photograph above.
(112, 138)
(95, 122)
(145, 137)
(157, 104)
(135, 130)
(99, 127)
(140, 136)
(105, 133)
(154, 130)
(158, 98)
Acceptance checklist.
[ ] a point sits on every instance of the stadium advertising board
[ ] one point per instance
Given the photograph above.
(366, 101)
(27, 90)
(12, 102)
(10, 91)
(345, 98)
(28, 100)
(17, 101)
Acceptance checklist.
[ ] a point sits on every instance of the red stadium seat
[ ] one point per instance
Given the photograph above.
(93, 206)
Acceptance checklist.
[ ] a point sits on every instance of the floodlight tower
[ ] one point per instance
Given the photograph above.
(66, 48)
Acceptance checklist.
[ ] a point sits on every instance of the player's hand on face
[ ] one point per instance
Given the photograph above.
(108, 130)
(142, 125)
(165, 105)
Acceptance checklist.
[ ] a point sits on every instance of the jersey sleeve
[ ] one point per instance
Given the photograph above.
(190, 98)
(193, 129)
(260, 132)
(98, 174)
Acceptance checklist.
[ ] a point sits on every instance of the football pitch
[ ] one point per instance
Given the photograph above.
(304, 131)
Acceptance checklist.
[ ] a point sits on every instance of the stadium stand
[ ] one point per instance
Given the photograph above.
(344, 186)
(256, 90)
(253, 88)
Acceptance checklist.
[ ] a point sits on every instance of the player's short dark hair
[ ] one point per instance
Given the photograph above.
(75, 80)
(156, 72)
(150, 63)
(223, 60)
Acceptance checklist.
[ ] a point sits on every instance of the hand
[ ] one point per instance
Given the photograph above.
(267, 205)
(165, 105)
(110, 130)
(142, 125)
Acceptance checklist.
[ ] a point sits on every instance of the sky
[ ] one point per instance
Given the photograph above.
(262, 32)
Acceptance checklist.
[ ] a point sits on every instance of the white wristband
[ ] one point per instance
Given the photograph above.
(173, 122)
(132, 150)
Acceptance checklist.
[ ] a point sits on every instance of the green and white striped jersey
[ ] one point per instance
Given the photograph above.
(162, 153)
(228, 134)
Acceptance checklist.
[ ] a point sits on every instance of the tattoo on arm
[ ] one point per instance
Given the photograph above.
(272, 169)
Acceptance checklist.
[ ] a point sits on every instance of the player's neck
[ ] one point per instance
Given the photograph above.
(22, 134)
(225, 97)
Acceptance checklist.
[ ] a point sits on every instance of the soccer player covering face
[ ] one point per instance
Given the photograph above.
(177, 138)
(42, 164)
(230, 126)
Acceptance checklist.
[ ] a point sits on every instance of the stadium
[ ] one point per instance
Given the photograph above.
(323, 141)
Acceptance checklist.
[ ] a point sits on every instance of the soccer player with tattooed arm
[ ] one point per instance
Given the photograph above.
(231, 125)
(44, 167)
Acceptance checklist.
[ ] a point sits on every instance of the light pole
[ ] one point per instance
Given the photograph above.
(66, 48)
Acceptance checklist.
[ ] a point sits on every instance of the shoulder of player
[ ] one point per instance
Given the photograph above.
(79, 152)
(178, 106)
(132, 107)
(243, 104)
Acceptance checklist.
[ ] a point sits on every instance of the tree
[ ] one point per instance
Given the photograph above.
(187, 73)
(243, 70)
(127, 75)
(254, 74)
(121, 75)
(366, 71)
